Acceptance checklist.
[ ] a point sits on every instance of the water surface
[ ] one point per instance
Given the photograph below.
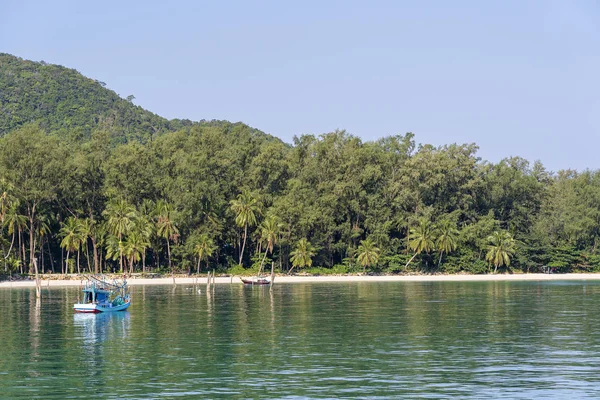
(320, 340)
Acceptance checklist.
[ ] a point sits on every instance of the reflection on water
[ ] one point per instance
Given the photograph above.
(95, 328)
(362, 340)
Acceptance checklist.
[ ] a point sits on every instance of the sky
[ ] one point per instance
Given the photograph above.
(516, 77)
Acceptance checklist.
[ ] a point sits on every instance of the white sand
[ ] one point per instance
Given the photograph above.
(305, 279)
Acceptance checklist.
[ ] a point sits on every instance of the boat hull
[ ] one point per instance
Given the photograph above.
(96, 308)
(256, 281)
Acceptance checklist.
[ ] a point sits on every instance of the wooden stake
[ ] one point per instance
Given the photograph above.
(38, 284)
(272, 273)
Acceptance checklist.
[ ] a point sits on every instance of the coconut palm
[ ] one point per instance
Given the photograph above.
(6, 200)
(204, 247)
(119, 218)
(42, 230)
(14, 264)
(269, 234)
(166, 228)
(422, 239)
(368, 254)
(500, 249)
(71, 239)
(115, 248)
(144, 226)
(245, 207)
(94, 232)
(302, 256)
(100, 235)
(15, 223)
(83, 230)
(447, 239)
(135, 245)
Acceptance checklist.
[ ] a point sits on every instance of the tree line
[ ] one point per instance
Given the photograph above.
(227, 197)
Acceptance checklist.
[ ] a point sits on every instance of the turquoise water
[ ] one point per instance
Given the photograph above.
(348, 340)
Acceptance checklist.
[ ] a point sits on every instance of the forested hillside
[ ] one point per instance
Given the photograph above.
(90, 182)
(64, 102)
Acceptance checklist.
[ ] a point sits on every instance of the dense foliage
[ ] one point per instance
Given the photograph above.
(78, 194)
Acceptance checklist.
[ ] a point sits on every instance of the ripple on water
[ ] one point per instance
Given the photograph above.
(380, 340)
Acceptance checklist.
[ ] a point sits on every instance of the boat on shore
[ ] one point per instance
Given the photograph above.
(100, 295)
(256, 280)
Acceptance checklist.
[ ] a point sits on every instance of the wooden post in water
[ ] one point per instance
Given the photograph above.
(38, 284)
(272, 273)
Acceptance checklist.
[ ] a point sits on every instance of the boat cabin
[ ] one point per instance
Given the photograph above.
(92, 296)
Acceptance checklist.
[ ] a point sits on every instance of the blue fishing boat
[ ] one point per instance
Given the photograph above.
(100, 295)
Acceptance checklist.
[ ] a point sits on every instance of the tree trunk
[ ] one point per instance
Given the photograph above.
(38, 286)
(23, 257)
(169, 254)
(262, 262)
(120, 255)
(41, 266)
(409, 261)
(87, 257)
(31, 238)
(50, 255)
(96, 259)
(9, 250)
(244, 243)
(199, 259)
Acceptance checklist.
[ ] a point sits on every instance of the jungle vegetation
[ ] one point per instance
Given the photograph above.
(90, 182)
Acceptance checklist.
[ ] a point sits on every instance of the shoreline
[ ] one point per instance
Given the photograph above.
(132, 281)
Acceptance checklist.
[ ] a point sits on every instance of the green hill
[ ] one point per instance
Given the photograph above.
(64, 102)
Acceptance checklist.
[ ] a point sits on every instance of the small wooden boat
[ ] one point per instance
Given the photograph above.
(256, 280)
(100, 295)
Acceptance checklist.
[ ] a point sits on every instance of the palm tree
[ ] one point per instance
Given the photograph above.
(115, 248)
(16, 223)
(43, 228)
(245, 207)
(120, 215)
(302, 256)
(368, 254)
(165, 228)
(422, 239)
(70, 238)
(83, 230)
(6, 200)
(94, 233)
(13, 264)
(500, 249)
(135, 245)
(269, 235)
(204, 247)
(447, 238)
(144, 227)
(100, 236)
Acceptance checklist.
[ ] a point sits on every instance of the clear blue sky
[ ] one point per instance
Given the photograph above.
(517, 77)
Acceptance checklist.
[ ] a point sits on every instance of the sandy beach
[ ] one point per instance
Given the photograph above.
(316, 279)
